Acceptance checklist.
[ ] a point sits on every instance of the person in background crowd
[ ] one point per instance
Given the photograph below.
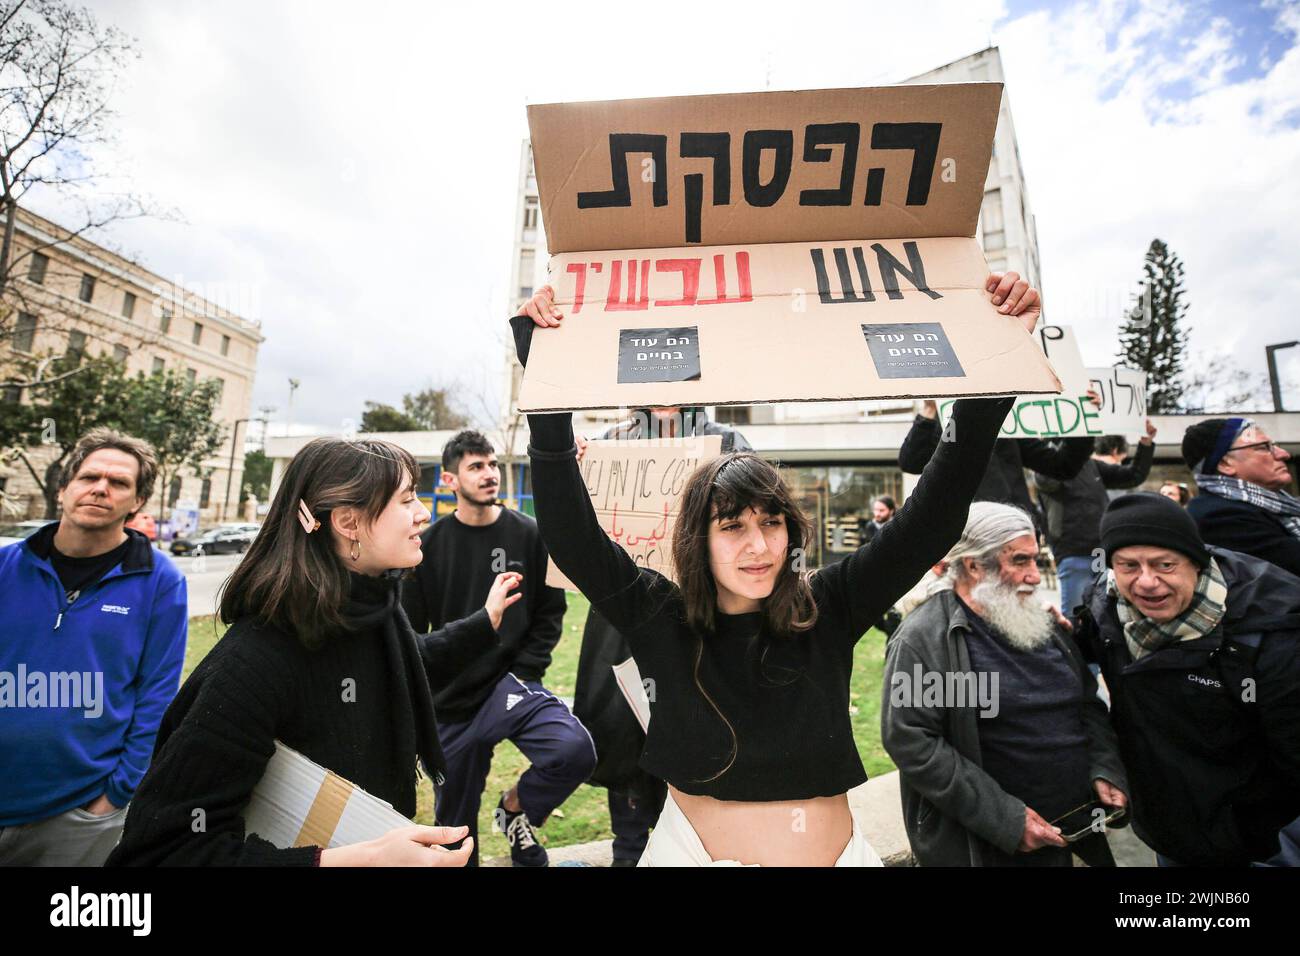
(86, 598)
(1200, 648)
(982, 779)
(1004, 479)
(1074, 508)
(635, 798)
(493, 691)
(318, 656)
(1176, 491)
(1240, 474)
(882, 509)
(750, 655)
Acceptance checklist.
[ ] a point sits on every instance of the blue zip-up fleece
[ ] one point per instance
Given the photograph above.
(83, 685)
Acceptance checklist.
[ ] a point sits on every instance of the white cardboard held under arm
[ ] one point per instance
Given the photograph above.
(300, 803)
(804, 246)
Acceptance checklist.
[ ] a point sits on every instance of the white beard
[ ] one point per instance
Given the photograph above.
(1022, 620)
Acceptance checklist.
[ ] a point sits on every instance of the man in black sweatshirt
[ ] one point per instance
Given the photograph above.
(496, 694)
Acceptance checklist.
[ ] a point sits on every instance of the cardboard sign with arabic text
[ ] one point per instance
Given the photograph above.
(761, 247)
(635, 487)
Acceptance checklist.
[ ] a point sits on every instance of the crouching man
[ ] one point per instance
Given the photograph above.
(1200, 648)
(1004, 752)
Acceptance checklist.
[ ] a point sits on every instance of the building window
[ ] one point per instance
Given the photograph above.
(527, 267)
(991, 222)
(205, 494)
(158, 365)
(24, 332)
(128, 305)
(225, 345)
(191, 375)
(76, 345)
(13, 393)
(36, 271)
(87, 287)
(120, 353)
(197, 335)
(165, 322)
(530, 221)
(174, 492)
(733, 414)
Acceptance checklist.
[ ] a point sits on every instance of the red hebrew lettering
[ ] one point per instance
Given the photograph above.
(720, 278)
(580, 284)
(690, 270)
(612, 303)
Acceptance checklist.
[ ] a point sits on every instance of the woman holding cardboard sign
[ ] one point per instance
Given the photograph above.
(319, 656)
(748, 657)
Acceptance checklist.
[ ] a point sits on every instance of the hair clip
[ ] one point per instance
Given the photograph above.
(306, 519)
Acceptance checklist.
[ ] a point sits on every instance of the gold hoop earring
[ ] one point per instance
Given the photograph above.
(355, 551)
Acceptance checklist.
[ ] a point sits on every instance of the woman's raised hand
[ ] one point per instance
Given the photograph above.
(1014, 296)
(541, 308)
(405, 846)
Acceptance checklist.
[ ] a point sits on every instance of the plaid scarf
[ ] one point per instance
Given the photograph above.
(1201, 617)
(1285, 506)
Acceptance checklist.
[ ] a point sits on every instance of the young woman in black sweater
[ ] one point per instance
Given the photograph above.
(747, 658)
(319, 655)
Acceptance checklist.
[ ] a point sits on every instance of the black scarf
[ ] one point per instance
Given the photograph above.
(375, 602)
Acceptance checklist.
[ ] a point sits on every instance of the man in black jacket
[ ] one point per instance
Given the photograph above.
(635, 797)
(496, 694)
(1004, 481)
(1074, 509)
(1200, 647)
(1240, 474)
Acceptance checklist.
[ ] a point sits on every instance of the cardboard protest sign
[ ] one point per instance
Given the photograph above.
(1071, 414)
(831, 256)
(635, 487)
(300, 803)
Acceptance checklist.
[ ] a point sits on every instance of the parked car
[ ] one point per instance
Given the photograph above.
(145, 524)
(20, 531)
(216, 541)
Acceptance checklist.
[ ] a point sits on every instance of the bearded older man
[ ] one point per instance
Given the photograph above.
(982, 779)
(1200, 648)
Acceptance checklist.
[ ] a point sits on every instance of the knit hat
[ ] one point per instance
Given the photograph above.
(1151, 520)
(1205, 443)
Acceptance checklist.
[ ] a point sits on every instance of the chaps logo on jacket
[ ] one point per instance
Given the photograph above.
(1204, 681)
(114, 609)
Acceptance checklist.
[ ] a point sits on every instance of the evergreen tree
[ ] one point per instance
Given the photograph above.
(1153, 337)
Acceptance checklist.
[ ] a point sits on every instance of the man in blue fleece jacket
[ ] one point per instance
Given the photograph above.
(92, 639)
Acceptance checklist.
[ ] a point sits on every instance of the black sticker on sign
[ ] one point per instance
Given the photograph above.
(659, 355)
(914, 350)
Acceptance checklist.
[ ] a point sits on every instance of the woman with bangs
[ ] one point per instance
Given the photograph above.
(320, 656)
(747, 658)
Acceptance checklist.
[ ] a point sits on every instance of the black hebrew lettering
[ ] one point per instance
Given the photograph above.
(923, 140)
(658, 355)
(704, 146)
(890, 267)
(620, 145)
(817, 138)
(781, 143)
(847, 292)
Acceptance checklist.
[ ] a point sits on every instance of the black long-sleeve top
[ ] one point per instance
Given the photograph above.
(789, 710)
(451, 583)
(1074, 507)
(1003, 480)
(349, 705)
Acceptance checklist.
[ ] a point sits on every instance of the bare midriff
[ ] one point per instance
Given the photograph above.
(811, 832)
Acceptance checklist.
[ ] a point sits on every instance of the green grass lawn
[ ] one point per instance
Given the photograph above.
(585, 815)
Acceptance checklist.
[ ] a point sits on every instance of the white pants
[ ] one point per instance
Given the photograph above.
(674, 842)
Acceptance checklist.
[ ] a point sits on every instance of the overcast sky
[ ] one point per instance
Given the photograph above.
(352, 170)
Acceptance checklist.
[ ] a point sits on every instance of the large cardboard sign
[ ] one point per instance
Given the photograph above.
(803, 246)
(1072, 414)
(635, 487)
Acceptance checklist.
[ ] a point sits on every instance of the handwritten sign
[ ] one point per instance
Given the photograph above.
(635, 488)
(780, 228)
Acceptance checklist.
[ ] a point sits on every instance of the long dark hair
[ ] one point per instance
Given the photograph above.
(722, 489)
(296, 581)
